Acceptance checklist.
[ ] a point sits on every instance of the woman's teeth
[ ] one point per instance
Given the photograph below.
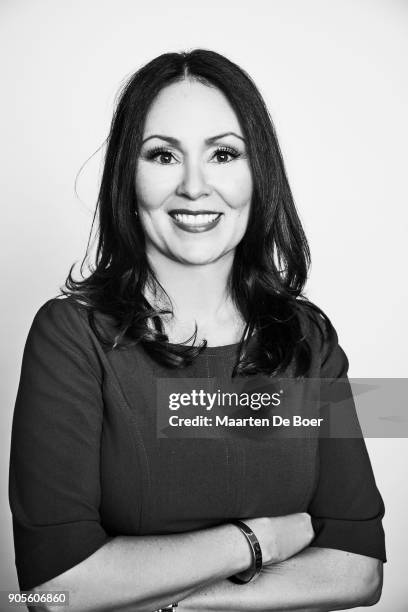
(196, 219)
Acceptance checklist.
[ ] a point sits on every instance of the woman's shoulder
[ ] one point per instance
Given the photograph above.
(314, 320)
(76, 324)
(61, 312)
(322, 336)
(61, 321)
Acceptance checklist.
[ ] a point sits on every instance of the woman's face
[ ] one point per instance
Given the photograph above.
(193, 178)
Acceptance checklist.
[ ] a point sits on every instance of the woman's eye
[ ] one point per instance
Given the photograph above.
(225, 154)
(162, 156)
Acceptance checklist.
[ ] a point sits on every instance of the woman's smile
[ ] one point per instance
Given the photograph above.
(197, 221)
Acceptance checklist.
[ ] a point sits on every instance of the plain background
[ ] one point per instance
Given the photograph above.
(334, 75)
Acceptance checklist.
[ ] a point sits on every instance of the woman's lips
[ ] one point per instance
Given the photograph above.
(195, 222)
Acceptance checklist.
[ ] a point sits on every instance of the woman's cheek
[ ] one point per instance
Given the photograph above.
(153, 186)
(237, 191)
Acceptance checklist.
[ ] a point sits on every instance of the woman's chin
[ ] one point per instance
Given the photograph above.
(198, 258)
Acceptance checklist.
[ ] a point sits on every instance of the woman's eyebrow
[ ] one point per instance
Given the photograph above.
(176, 142)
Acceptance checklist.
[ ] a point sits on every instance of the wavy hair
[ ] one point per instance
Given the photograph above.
(270, 264)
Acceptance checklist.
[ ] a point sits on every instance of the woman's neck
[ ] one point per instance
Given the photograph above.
(198, 293)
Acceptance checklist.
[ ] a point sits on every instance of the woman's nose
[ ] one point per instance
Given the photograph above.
(193, 183)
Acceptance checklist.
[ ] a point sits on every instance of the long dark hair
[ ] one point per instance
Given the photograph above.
(271, 262)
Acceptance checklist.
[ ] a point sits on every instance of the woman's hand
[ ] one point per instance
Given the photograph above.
(282, 537)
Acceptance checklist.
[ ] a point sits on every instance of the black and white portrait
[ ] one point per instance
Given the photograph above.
(204, 286)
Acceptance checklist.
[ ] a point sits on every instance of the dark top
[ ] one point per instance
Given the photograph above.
(87, 464)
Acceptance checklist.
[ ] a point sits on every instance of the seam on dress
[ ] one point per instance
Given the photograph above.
(140, 448)
(228, 479)
(133, 432)
(314, 460)
(243, 476)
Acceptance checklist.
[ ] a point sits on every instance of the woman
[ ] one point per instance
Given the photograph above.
(199, 273)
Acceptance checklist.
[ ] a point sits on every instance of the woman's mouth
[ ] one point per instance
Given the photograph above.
(198, 221)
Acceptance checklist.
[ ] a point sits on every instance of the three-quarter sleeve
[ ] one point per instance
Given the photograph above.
(54, 479)
(347, 508)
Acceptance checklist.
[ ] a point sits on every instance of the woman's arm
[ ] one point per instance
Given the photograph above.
(315, 580)
(144, 573)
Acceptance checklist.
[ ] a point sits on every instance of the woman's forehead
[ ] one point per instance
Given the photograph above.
(189, 107)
